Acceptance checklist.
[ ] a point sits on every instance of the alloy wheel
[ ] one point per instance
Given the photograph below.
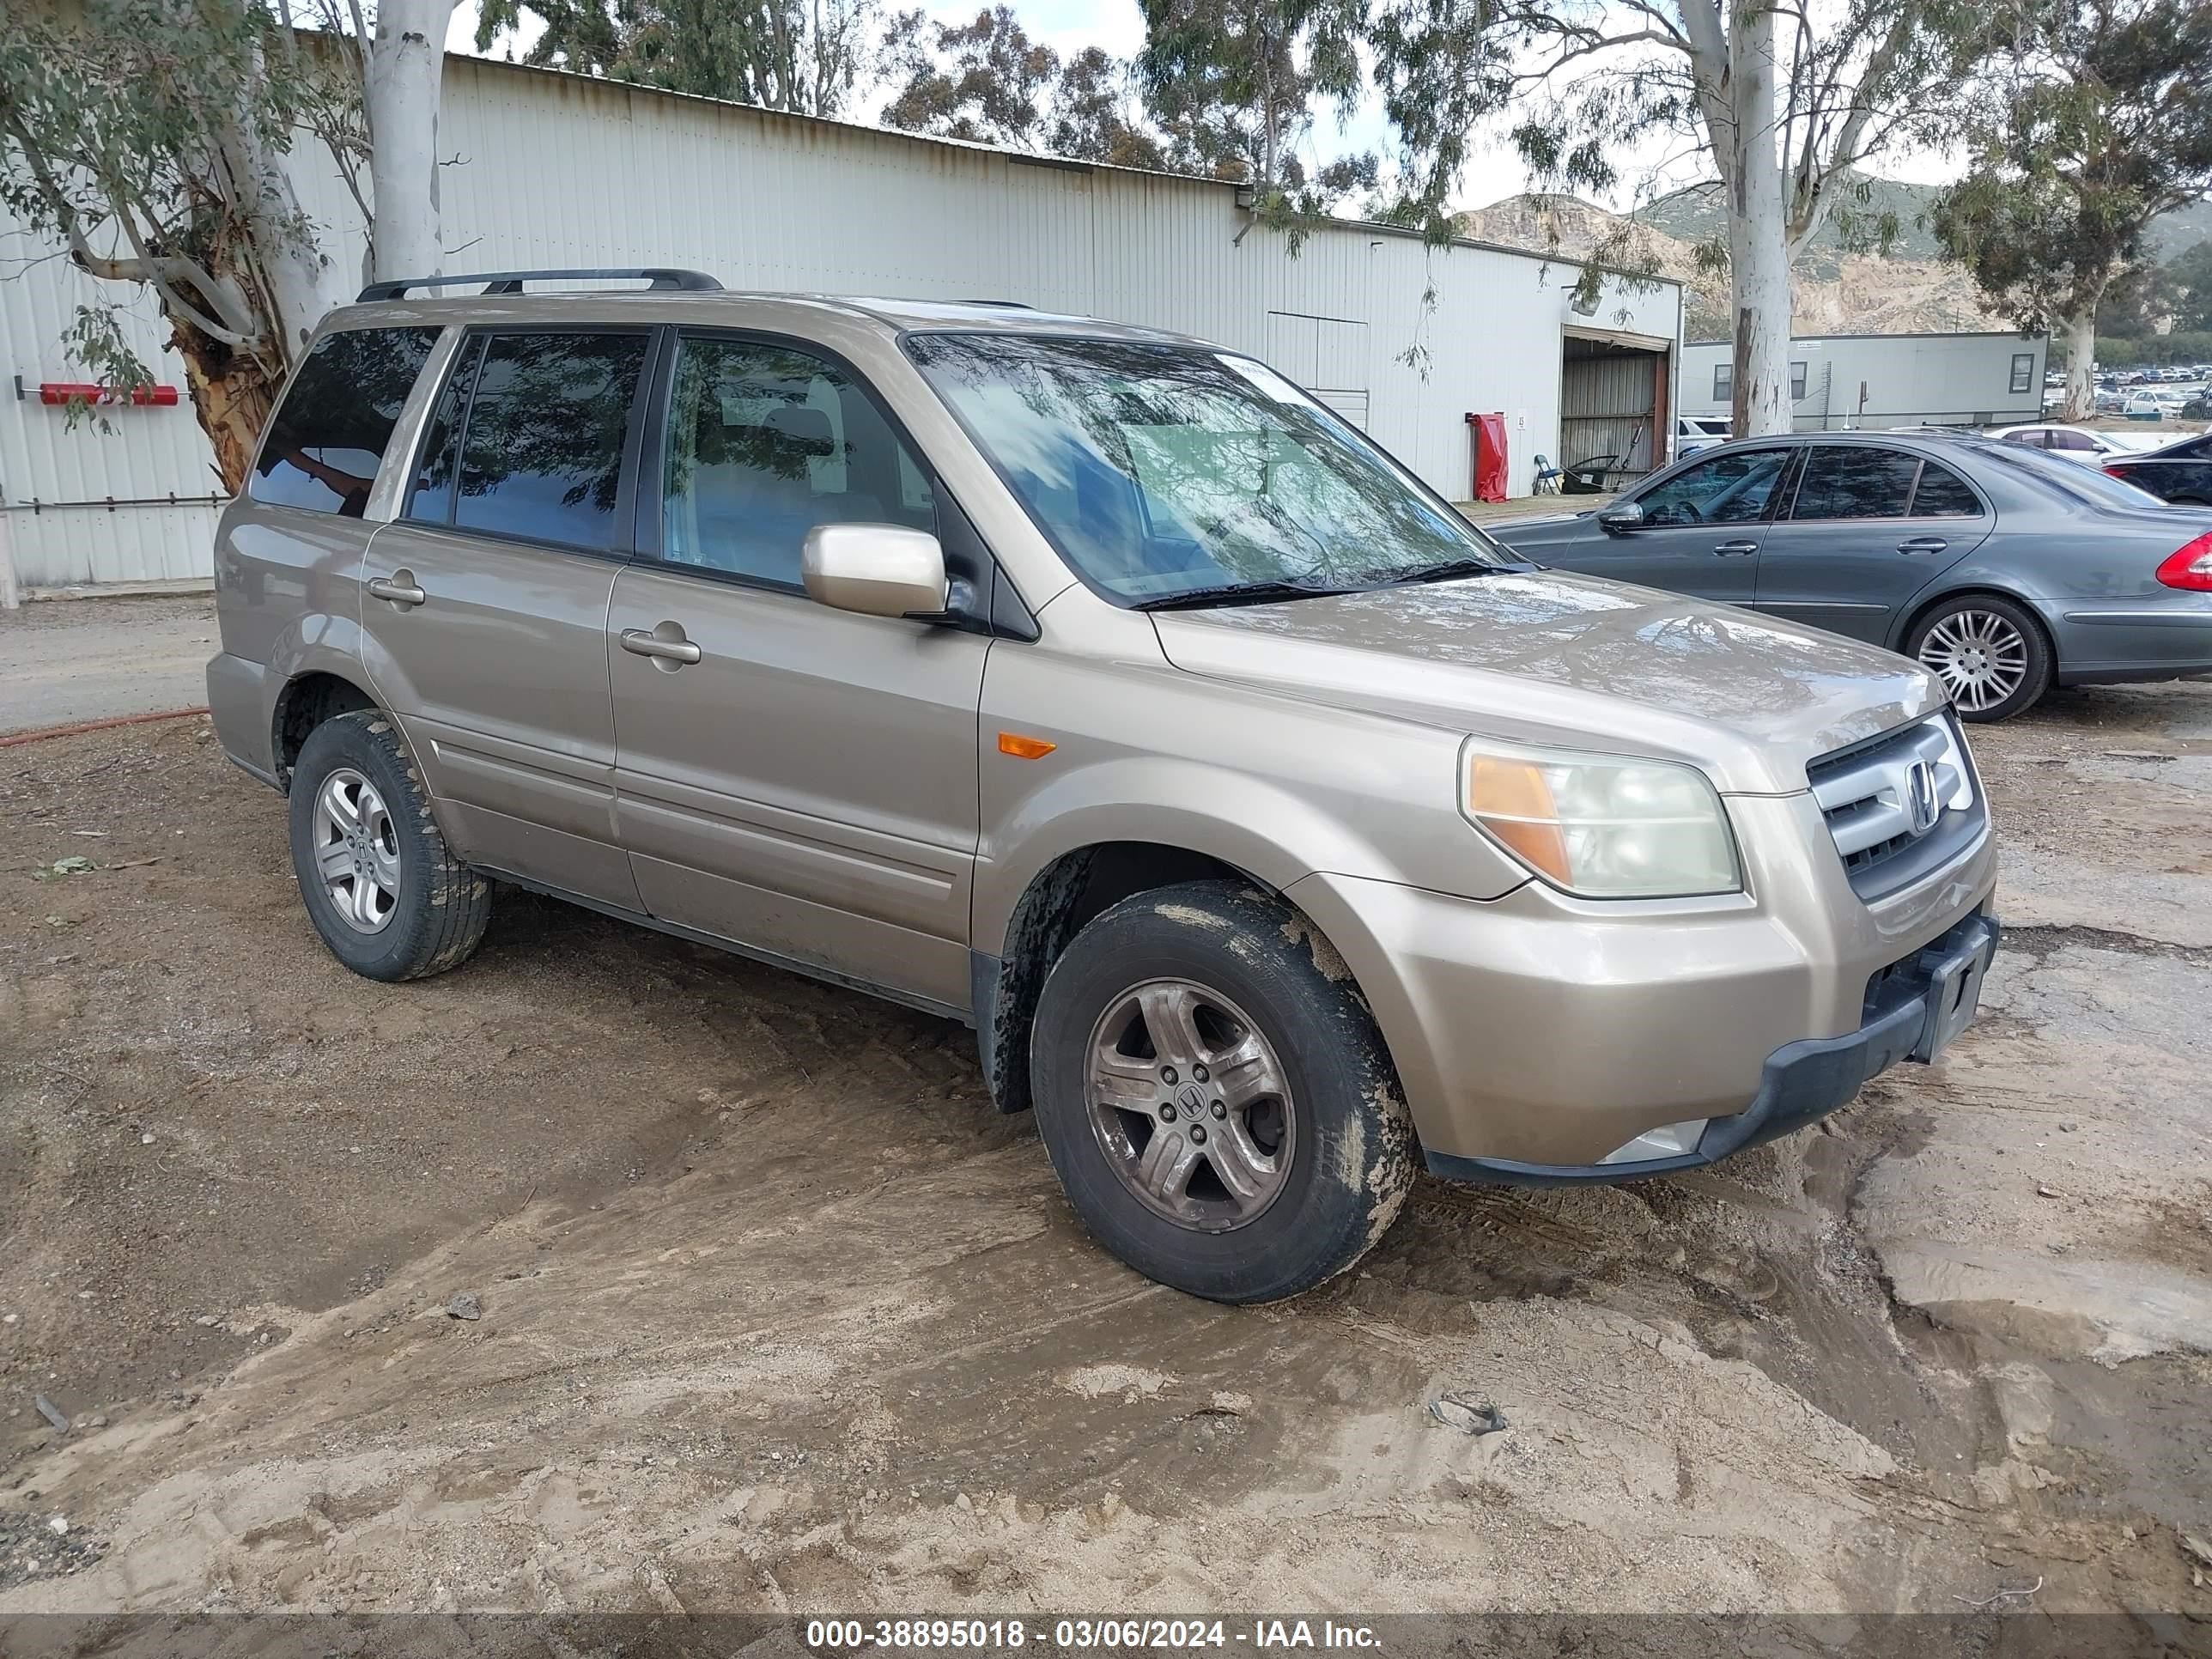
(1981, 657)
(357, 851)
(1190, 1104)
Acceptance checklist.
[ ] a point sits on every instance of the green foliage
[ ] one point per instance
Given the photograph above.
(804, 56)
(1235, 84)
(123, 126)
(985, 81)
(2098, 119)
(2189, 280)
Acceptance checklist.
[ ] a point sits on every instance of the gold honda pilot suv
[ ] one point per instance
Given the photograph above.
(1274, 830)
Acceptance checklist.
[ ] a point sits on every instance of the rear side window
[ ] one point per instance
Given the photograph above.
(327, 439)
(1855, 482)
(542, 437)
(1943, 494)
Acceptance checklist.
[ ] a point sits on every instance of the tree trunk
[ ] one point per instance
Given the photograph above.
(2079, 333)
(233, 394)
(406, 71)
(1759, 231)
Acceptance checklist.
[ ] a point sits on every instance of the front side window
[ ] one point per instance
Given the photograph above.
(1723, 382)
(2023, 370)
(1854, 481)
(327, 439)
(764, 443)
(1164, 471)
(1733, 487)
(542, 450)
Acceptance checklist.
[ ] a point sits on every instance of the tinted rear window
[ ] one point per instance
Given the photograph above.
(1855, 482)
(327, 441)
(542, 454)
(1943, 494)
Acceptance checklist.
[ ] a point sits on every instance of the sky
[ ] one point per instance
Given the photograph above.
(1494, 172)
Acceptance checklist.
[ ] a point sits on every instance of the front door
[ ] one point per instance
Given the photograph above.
(795, 779)
(1702, 528)
(1867, 528)
(484, 607)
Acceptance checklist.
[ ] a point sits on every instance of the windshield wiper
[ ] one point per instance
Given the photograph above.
(1449, 570)
(1193, 598)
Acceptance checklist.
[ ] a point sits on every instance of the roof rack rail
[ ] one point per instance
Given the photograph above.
(662, 278)
(1003, 305)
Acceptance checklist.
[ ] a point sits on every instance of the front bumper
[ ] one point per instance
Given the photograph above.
(1912, 1013)
(1543, 1032)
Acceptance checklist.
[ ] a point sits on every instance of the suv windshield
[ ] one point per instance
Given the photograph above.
(1170, 474)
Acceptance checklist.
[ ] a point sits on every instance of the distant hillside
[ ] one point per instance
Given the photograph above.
(1838, 288)
(1908, 291)
(2182, 228)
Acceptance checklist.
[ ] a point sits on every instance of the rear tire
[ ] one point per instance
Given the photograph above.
(1209, 1013)
(1991, 653)
(389, 899)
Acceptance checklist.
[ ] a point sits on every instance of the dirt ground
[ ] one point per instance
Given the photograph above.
(777, 1314)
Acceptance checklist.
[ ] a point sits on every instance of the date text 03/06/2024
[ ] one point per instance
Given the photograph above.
(1263, 1635)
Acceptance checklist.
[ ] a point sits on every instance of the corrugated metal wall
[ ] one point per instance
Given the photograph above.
(554, 170)
(1606, 409)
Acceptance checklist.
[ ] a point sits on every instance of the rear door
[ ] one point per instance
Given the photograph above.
(1701, 532)
(1866, 527)
(793, 777)
(484, 605)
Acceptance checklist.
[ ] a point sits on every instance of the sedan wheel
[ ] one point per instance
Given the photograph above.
(1993, 658)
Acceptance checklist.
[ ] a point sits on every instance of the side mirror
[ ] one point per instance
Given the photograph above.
(876, 570)
(1626, 516)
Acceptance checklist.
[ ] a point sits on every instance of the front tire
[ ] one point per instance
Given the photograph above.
(1216, 1100)
(388, 897)
(1991, 655)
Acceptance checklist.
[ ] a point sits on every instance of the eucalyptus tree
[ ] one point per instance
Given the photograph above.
(167, 147)
(1785, 100)
(2095, 118)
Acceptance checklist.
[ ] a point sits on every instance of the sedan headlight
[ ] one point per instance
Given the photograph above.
(1602, 826)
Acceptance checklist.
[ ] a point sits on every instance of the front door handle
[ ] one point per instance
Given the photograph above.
(672, 653)
(1735, 550)
(1923, 544)
(398, 587)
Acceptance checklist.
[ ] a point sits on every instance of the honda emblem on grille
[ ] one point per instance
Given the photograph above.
(1920, 797)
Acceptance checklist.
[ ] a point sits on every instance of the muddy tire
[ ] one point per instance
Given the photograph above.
(1215, 1098)
(380, 885)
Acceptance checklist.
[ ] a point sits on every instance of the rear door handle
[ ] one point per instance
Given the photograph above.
(1923, 544)
(398, 587)
(640, 643)
(1735, 550)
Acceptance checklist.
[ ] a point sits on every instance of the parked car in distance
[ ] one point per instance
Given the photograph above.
(2002, 568)
(2075, 443)
(1101, 688)
(1693, 433)
(2181, 472)
(2146, 406)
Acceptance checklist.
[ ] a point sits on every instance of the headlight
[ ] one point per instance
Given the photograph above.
(1600, 826)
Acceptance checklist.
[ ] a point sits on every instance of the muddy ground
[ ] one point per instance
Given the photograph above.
(779, 1313)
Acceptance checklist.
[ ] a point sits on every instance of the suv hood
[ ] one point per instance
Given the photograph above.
(1578, 662)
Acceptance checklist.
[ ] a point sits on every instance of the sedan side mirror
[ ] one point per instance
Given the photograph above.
(1626, 516)
(875, 569)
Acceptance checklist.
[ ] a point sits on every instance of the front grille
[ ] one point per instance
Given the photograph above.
(1898, 805)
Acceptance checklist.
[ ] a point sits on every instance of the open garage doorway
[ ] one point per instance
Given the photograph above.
(1615, 410)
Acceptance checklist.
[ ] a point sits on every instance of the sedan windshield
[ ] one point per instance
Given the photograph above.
(1173, 474)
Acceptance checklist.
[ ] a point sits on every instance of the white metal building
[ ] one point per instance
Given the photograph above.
(557, 170)
(1855, 381)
